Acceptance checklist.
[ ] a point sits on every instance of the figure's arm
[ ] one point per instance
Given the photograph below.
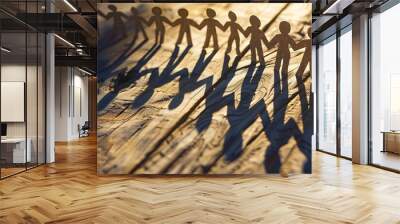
(293, 44)
(105, 16)
(226, 26)
(219, 25)
(124, 16)
(151, 21)
(302, 44)
(265, 40)
(201, 25)
(143, 21)
(246, 32)
(273, 42)
(176, 22)
(240, 28)
(102, 14)
(167, 21)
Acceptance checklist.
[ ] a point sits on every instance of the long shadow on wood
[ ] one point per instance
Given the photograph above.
(124, 80)
(189, 82)
(158, 79)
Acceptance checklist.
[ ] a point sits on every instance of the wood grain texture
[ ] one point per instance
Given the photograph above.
(69, 191)
(186, 110)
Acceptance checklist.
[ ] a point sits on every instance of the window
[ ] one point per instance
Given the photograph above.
(385, 89)
(346, 92)
(327, 95)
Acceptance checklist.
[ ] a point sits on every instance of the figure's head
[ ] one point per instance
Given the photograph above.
(133, 10)
(255, 21)
(210, 13)
(284, 27)
(309, 32)
(156, 10)
(232, 16)
(112, 8)
(183, 13)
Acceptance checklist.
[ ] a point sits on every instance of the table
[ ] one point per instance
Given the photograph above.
(391, 141)
(13, 150)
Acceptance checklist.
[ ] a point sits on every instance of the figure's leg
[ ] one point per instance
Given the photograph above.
(285, 68)
(162, 34)
(180, 37)
(144, 33)
(260, 54)
(157, 33)
(134, 38)
(277, 67)
(189, 38)
(229, 48)
(237, 41)
(215, 40)
(207, 41)
(253, 54)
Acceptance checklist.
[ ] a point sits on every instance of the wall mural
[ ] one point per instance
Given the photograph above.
(204, 88)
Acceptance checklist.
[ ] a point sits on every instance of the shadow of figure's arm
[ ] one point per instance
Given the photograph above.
(143, 21)
(123, 15)
(302, 44)
(105, 16)
(151, 21)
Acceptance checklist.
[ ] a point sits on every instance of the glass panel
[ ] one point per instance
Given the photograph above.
(385, 84)
(327, 96)
(13, 87)
(346, 93)
(41, 99)
(31, 99)
(32, 88)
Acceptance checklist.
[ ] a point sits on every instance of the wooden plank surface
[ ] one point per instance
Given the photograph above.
(70, 191)
(187, 110)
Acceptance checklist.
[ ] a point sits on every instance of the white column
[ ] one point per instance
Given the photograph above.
(50, 98)
(360, 90)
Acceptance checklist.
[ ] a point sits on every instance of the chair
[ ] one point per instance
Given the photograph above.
(84, 130)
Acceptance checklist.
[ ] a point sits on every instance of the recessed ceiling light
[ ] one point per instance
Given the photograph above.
(84, 71)
(5, 50)
(64, 40)
(70, 5)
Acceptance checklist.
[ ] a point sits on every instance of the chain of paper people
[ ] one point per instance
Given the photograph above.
(257, 36)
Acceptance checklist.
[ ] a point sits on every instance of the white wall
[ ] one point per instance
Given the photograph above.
(33, 127)
(71, 102)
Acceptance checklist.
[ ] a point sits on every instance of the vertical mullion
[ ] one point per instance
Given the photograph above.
(37, 88)
(369, 96)
(338, 73)
(0, 94)
(26, 86)
(45, 87)
(317, 96)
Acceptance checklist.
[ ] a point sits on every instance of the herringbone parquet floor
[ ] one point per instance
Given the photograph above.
(69, 191)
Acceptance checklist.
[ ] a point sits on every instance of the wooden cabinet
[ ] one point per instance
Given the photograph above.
(391, 142)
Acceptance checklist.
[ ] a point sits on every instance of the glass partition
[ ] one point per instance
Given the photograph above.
(22, 88)
(13, 94)
(346, 92)
(385, 89)
(327, 95)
